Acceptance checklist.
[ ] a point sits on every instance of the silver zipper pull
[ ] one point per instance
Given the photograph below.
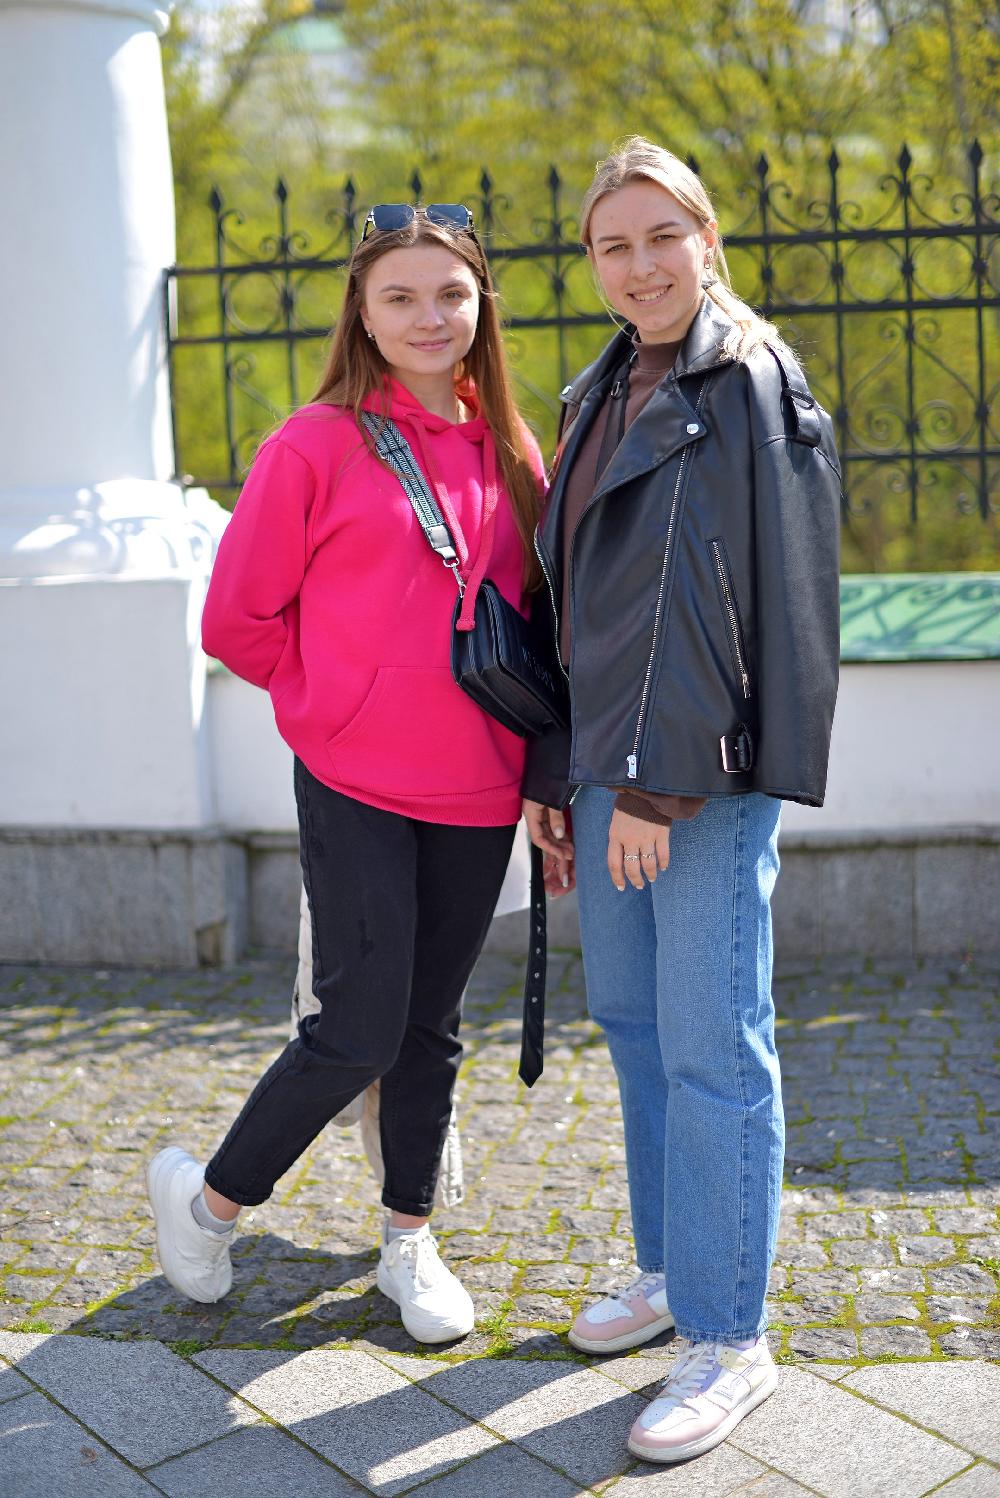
(633, 768)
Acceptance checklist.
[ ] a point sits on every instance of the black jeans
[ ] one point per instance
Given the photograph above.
(400, 911)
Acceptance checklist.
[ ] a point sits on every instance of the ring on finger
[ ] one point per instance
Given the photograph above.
(651, 853)
(634, 856)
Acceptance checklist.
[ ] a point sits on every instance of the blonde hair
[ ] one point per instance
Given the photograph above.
(636, 160)
(355, 368)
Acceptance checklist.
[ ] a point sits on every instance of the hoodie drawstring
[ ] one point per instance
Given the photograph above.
(441, 491)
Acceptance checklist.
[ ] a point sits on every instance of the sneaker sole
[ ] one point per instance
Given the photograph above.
(714, 1438)
(628, 1339)
(423, 1331)
(164, 1239)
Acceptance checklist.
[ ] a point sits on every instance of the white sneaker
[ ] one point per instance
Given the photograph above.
(194, 1259)
(706, 1396)
(633, 1316)
(434, 1306)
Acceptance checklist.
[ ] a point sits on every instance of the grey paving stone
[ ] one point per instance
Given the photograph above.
(895, 1341)
(980, 1481)
(774, 1485)
(955, 1399)
(872, 1308)
(928, 1250)
(724, 1470)
(824, 1342)
(802, 1255)
(824, 1281)
(891, 1279)
(12, 1384)
(862, 1252)
(412, 1367)
(971, 1342)
(961, 1279)
(831, 1371)
(279, 1467)
(567, 1415)
(352, 1409)
(958, 1308)
(505, 1470)
(145, 1402)
(863, 1450)
(966, 1220)
(46, 1454)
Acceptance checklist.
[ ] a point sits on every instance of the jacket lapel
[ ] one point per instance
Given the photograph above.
(666, 423)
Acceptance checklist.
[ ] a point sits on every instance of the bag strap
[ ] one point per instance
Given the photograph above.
(394, 450)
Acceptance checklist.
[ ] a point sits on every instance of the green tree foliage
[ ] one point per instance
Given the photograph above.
(523, 81)
(240, 108)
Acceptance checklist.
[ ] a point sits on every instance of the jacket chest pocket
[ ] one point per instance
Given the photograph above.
(723, 574)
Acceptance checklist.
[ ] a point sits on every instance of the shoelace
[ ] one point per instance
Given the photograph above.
(419, 1254)
(693, 1370)
(639, 1286)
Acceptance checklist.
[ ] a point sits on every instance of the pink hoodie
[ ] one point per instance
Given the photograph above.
(326, 592)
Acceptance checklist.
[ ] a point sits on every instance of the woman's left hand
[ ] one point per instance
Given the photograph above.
(637, 850)
(558, 876)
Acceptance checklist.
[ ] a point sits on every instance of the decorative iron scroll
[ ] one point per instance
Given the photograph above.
(891, 297)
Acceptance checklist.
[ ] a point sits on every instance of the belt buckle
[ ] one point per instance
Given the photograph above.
(737, 752)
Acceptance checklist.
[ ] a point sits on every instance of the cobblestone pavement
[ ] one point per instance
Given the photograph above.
(884, 1297)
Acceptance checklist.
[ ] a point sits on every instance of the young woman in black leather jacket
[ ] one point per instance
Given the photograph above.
(690, 543)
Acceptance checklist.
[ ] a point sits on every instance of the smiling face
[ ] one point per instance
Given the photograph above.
(421, 303)
(649, 252)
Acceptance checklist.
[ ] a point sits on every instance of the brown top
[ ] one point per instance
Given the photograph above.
(653, 362)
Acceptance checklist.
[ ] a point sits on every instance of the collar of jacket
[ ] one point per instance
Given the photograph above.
(700, 351)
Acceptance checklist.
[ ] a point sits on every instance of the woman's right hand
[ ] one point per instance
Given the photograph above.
(548, 830)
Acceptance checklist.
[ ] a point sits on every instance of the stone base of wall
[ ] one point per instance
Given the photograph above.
(916, 894)
(79, 895)
(201, 898)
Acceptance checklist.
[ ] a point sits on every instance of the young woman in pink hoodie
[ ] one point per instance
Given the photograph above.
(327, 594)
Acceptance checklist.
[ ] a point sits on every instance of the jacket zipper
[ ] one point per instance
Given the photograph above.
(733, 617)
(552, 598)
(632, 760)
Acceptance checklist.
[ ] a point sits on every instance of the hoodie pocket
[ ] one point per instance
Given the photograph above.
(417, 734)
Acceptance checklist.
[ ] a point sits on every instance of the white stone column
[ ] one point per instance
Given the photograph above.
(103, 559)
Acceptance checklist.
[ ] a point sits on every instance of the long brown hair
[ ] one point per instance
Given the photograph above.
(638, 159)
(355, 368)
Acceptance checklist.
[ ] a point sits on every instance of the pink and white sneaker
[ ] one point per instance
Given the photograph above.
(635, 1315)
(706, 1396)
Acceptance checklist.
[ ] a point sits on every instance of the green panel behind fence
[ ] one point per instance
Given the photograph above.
(942, 616)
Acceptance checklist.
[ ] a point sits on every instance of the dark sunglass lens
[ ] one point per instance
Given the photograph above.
(391, 216)
(454, 214)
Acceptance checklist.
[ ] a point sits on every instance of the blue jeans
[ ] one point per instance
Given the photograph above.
(679, 978)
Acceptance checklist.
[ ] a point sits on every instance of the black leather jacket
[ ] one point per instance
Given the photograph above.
(703, 582)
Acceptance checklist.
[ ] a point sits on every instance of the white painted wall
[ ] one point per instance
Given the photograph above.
(913, 745)
(103, 560)
(104, 697)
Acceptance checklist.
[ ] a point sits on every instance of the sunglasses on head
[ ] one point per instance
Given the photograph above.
(387, 216)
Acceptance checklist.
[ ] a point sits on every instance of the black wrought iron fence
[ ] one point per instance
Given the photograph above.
(888, 284)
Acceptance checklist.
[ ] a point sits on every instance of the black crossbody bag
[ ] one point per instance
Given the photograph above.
(506, 664)
(513, 674)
